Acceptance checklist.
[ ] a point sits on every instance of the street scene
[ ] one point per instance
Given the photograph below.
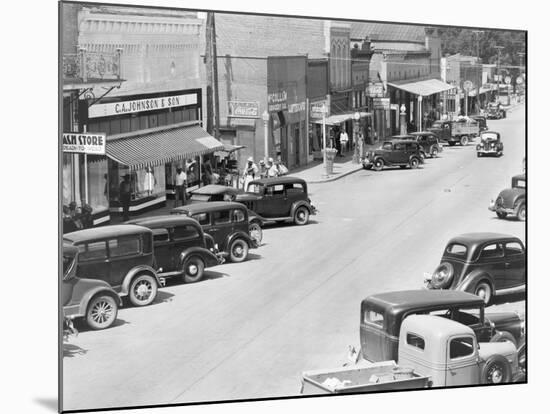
(344, 213)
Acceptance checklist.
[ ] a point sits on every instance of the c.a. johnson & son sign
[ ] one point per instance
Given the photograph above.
(141, 105)
(91, 143)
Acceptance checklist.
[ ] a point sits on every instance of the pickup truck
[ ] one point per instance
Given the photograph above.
(433, 352)
(460, 131)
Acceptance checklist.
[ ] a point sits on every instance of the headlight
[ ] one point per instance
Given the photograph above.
(492, 145)
(478, 146)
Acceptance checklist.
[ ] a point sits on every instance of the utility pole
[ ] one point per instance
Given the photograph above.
(498, 48)
(216, 92)
(479, 70)
(209, 75)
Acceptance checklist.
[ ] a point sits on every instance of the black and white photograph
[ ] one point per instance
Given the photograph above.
(263, 206)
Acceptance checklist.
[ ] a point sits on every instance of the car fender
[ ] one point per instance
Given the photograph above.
(210, 259)
(93, 292)
(125, 288)
(469, 282)
(297, 204)
(254, 217)
(239, 235)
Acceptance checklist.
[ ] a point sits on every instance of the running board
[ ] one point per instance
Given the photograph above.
(510, 290)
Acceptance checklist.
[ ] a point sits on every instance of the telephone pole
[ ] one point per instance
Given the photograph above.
(212, 94)
(216, 92)
(498, 48)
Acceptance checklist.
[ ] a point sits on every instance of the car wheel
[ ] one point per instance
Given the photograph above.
(496, 370)
(255, 231)
(143, 290)
(102, 311)
(442, 276)
(501, 214)
(301, 216)
(522, 357)
(193, 269)
(434, 151)
(413, 163)
(483, 290)
(504, 336)
(522, 212)
(378, 165)
(238, 251)
(463, 140)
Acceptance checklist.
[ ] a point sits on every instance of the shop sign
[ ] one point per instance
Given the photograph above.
(277, 101)
(241, 109)
(92, 143)
(317, 109)
(297, 107)
(381, 103)
(375, 90)
(141, 105)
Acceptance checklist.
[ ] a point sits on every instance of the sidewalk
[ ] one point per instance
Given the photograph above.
(314, 173)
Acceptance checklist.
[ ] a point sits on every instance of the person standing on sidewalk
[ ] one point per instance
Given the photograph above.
(343, 142)
(125, 195)
(181, 185)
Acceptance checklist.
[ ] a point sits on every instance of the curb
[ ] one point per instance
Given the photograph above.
(337, 177)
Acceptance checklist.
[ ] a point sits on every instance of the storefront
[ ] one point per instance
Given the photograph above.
(146, 137)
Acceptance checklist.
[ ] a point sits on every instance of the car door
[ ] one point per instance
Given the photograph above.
(222, 226)
(183, 237)
(398, 155)
(275, 201)
(461, 362)
(205, 220)
(124, 255)
(514, 263)
(491, 259)
(423, 142)
(69, 280)
(93, 262)
(162, 244)
(294, 192)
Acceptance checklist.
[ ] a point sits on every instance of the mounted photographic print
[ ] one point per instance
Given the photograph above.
(258, 207)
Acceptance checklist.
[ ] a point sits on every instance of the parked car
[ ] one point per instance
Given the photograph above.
(512, 201)
(382, 315)
(481, 121)
(181, 248)
(490, 144)
(460, 131)
(396, 152)
(485, 264)
(278, 199)
(121, 255)
(428, 141)
(93, 300)
(495, 111)
(227, 223)
(433, 352)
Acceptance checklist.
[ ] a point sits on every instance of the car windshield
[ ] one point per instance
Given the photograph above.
(255, 188)
(68, 263)
(518, 183)
(456, 249)
(489, 137)
(200, 197)
(386, 146)
(437, 124)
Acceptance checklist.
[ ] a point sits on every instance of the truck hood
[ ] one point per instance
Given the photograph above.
(506, 349)
(510, 195)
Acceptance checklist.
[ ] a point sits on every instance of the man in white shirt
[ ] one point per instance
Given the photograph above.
(272, 170)
(343, 142)
(181, 185)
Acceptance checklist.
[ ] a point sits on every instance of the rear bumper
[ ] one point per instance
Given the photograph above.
(500, 209)
(483, 151)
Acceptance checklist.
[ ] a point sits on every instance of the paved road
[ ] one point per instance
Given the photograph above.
(250, 329)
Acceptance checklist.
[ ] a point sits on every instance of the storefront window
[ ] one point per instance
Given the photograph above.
(97, 196)
(68, 179)
(145, 182)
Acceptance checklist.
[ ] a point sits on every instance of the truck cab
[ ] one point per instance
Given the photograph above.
(450, 354)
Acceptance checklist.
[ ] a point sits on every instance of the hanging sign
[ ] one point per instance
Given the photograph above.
(241, 109)
(318, 108)
(375, 90)
(277, 101)
(92, 143)
(381, 103)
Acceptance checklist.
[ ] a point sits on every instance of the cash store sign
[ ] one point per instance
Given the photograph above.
(93, 143)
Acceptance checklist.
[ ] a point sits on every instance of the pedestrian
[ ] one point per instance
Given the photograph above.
(181, 185)
(337, 143)
(281, 169)
(250, 172)
(272, 170)
(343, 142)
(125, 195)
(263, 169)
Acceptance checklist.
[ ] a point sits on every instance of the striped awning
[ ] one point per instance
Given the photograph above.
(424, 88)
(156, 146)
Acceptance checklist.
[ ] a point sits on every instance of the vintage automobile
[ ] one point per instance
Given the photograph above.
(180, 246)
(495, 111)
(93, 300)
(278, 199)
(460, 131)
(213, 192)
(227, 223)
(428, 141)
(512, 201)
(382, 315)
(433, 352)
(485, 264)
(490, 144)
(481, 121)
(121, 255)
(396, 152)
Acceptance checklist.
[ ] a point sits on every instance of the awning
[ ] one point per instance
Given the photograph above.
(341, 118)
(156, 146)
(424, 88)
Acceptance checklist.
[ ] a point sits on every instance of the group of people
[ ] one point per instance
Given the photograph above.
(273, 168)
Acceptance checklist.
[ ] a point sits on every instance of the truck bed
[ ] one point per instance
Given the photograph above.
(362, 378)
